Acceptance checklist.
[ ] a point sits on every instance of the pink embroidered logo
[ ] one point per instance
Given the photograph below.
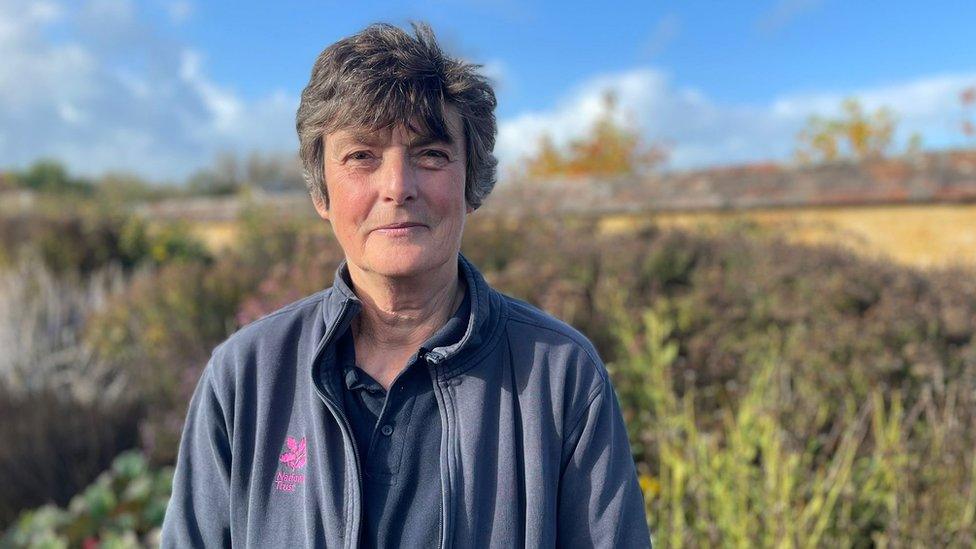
(294, 456)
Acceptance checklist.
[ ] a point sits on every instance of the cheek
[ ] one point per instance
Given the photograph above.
(350, 204)
(450, 195)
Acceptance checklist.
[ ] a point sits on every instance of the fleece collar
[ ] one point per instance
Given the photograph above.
(340, 305)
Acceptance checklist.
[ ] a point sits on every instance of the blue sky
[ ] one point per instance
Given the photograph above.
(160, 86)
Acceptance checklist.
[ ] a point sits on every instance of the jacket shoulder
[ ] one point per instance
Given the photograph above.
(276, 334)
(557, 339)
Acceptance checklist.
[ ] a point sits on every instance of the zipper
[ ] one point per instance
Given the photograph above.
(341, 418)
(434, 359)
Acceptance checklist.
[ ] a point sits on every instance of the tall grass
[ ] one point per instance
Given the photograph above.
(64, 412)
(42, 323)
(880, 475)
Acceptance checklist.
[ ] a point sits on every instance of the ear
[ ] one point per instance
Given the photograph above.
(320, 207)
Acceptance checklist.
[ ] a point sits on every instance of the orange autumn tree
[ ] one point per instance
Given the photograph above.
(608, 150)
(854, 134)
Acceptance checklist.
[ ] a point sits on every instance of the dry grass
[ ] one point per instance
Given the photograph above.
(216, 235)
(931, 235)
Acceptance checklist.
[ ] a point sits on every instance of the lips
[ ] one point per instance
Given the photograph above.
(404, 225)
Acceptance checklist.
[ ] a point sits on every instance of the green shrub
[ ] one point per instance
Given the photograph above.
(161, 330)
(124, 508)
(881, 475)
(85, 239)
(56, 446)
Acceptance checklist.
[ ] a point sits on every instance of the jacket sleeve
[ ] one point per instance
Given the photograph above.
(600, 501)
(198, 513)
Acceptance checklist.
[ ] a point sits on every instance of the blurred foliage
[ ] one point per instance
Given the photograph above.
(42, 322)
(118, 189)
(230, 174)
(853, 134)
(162, 329)
(50, 176)
(85, 237)
(776, 394)
(877, 475)
(608, 150)
(124, 508)
(56, 445)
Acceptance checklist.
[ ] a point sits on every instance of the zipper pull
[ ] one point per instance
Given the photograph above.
(434, 358)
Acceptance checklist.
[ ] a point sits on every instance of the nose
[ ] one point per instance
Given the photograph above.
(399, 178)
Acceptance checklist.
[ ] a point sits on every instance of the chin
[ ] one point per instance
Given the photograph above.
(408, 261)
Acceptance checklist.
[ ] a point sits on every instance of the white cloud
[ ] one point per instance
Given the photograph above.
(498, 73)
(117, 93)
(701, 132)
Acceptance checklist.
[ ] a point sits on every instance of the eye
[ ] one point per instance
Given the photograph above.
(359, 155)
(436, 153)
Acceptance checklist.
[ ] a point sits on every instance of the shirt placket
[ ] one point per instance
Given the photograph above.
(387, 441)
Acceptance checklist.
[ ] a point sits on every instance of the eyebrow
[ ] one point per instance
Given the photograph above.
(422, 141)
(364, 137)
(373, 140)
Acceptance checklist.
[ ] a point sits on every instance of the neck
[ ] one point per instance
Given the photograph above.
(400, 314)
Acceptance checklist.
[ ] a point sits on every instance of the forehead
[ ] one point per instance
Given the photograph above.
(417, 133)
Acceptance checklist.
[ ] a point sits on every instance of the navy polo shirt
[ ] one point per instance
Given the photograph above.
(398, 438)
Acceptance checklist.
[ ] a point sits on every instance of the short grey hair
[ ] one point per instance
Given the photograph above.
(382, 77)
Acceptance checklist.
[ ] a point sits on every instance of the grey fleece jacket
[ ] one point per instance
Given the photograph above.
(533, 453)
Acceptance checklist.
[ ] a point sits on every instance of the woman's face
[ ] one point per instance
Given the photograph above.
(396, 200)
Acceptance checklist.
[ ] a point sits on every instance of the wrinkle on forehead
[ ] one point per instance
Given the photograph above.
(420, 133)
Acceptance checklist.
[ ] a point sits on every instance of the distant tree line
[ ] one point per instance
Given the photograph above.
(228, 174)
(48, 176)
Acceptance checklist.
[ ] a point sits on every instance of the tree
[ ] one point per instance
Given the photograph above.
(8, 181)
(607, 150)
(50, 176)
(968, 99)
(854, 134)
(223, 178)
(230, 173)
(115, 188)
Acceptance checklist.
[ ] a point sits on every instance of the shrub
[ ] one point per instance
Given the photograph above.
(42, 321)
(882, 474)
(123, 508)
(64, 411)
(56, 446)
(84, 239)
(161, 330)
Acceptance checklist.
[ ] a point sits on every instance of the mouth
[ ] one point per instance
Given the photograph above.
(403, 225)
(400, 229)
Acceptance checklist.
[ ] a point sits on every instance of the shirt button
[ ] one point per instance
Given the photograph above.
(387, 430)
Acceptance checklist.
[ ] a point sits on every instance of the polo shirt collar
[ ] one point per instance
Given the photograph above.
(342, 298)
